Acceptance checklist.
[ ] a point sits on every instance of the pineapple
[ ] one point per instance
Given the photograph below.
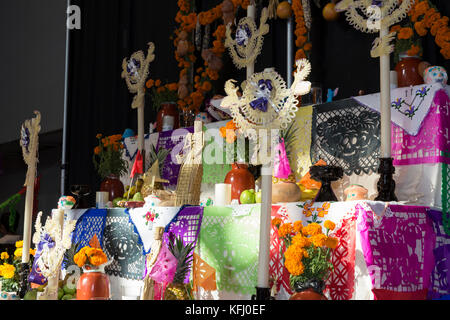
(178, 290)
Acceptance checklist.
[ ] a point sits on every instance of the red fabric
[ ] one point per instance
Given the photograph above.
(340, 284)
(276, 268)
(383, 294)
(138, 166)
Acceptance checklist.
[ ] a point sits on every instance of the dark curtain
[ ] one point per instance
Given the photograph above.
(99, 101)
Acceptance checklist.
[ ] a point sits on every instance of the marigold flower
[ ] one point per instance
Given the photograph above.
(331, 242)
(294, 267)
(318, 240)
(150, 83)
(300, 241)
(420, 28)
(157, 83)
(396, 28)
(298, 226)
(405, 33)
(276, 222)
(33, 252)
(413, 51)
(330, 225)
(18, 252)
(98, 258)
(285, 230)
(19, 244)
(8, 271)
(312, 229)
(4, 255)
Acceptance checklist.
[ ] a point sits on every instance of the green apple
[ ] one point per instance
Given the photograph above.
(68, 290)
(248, 196)
(60, 293)
(258, 197)
(31, 295)
(138, 197)
(67, 297)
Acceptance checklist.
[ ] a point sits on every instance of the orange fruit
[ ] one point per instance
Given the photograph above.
(329, 12)
(284, 10)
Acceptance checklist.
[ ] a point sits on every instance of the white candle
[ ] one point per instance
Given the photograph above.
(28, 214)
(385, 100)
(222, 194)
(141, 128)
(264, 233)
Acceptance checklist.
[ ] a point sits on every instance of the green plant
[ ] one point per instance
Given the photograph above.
(161, 156)
(107, 156)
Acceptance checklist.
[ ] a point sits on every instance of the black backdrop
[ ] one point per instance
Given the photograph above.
(99, 101)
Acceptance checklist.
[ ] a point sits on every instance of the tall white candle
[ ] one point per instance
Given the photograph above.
(141, 128)
(385, 100)
(28, 214)
(264, 233)
(222, 194)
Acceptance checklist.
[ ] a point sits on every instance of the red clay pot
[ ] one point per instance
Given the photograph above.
(240, 179)
(308, 294)
(408, 71)
(93, 285)
(113, 186)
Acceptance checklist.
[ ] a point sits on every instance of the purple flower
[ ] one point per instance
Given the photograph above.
(397, 103)
(422, 92)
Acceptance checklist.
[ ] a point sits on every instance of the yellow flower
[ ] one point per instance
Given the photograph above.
(331, 242)
(294, 267)
(330, 225)
(298, 226)
(98, 259)
(18, 252)
(33, 252)
(276, 222)
(80, 257)
(285, 230)
(19, 244)
(312, 229)
(4, 255)
(8, 271)
(300, 241)
(318, 240)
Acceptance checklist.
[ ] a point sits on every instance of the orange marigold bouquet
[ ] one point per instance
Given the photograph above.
(90, 258)
(160, 93)
(308, 253)
(422, 18)
(107, 156)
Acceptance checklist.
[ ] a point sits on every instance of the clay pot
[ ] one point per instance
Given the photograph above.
(308, 294)
(93, 285)
(284, 10)
(355, 192)
(240, 179)
(408, 71)
(329, 12)
(168, 118)
(309, 290)
(285, 192)
(113, 186)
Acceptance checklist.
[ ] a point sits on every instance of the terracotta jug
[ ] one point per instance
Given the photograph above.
(240, 179)
(408, 71)
(113, 186)
(168, 118)
(308, 294)
(93, 285)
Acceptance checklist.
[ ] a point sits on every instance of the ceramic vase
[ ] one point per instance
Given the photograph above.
(168, 118)
(93, 285)
(355, 192)
(113, 186)
(408, 71)
(240, 179)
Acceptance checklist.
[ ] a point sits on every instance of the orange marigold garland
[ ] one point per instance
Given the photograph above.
(301, 32)
(202, 76)
(423, 17)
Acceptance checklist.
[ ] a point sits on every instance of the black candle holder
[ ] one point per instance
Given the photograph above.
(262, 294)
(326, 175)
(386, 184)
(24, 272)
